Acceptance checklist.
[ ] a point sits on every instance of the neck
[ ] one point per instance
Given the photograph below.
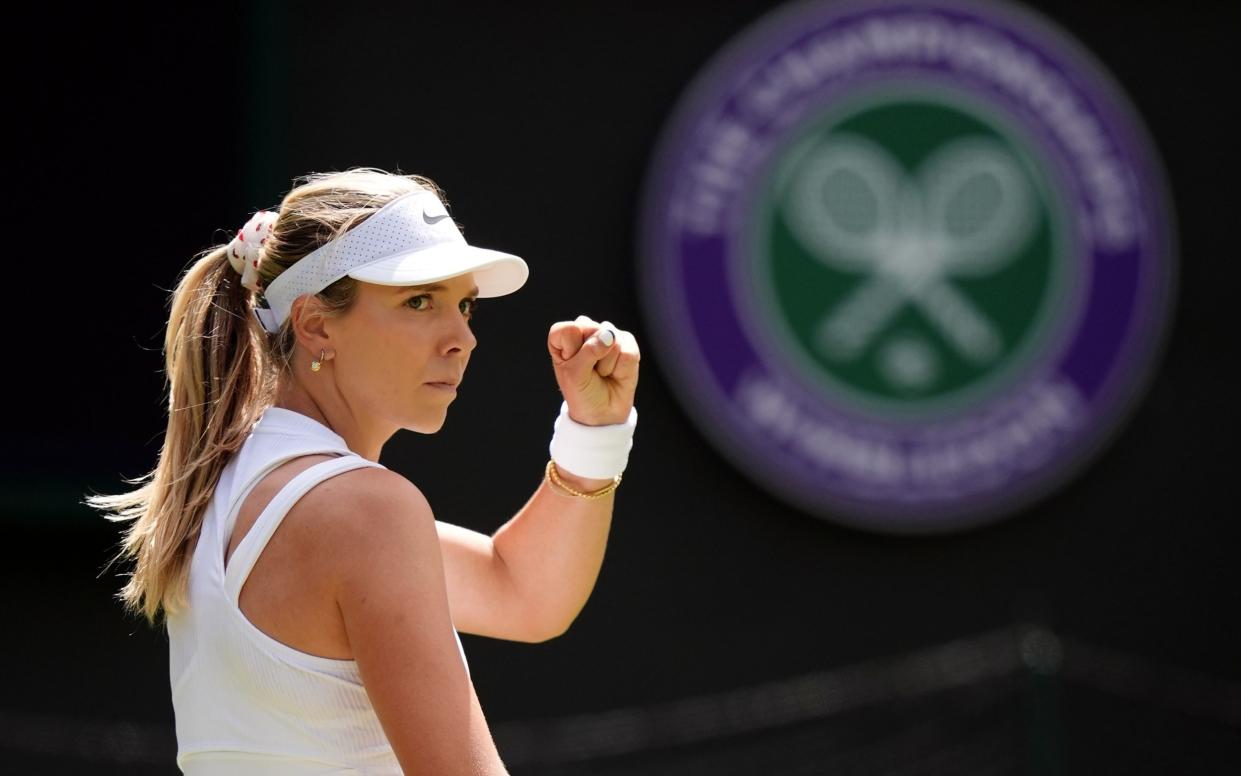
(362, 437)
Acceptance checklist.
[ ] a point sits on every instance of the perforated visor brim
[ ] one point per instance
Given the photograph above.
(496, 273)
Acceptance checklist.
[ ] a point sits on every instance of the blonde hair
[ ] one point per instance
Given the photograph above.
(222, 370)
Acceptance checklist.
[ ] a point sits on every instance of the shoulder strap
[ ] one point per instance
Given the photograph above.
(252, 544)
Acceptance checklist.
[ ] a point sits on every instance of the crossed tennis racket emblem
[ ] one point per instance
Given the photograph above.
(965, 212)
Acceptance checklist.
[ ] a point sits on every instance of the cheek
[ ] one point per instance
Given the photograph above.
(400, 354)
(370, 355)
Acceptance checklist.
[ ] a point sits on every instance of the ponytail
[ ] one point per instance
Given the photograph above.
(217, 388)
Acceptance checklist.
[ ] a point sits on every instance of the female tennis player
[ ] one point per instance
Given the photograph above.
(311, 599)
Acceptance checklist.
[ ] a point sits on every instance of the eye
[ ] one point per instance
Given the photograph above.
(469, 307)
(413, 302)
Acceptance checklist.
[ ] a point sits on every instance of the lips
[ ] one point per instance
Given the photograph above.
(444, 385)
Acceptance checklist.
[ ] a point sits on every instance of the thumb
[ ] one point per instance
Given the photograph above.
(593, 350)
(597, 345)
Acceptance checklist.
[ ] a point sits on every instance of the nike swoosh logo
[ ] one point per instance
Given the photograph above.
(433, 219)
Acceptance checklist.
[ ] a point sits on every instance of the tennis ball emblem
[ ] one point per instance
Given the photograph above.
(913, 259)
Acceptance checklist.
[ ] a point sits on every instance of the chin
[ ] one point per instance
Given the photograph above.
(427, 425)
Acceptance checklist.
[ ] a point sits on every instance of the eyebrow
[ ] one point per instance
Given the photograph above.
(433, 287)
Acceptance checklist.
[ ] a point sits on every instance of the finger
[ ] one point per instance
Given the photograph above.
(627, 357)
(586, 327)
(597, 346)
(564, 340)
(607, 336)
(578, 371)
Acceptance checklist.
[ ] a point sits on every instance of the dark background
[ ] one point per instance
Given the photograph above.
(149, 132)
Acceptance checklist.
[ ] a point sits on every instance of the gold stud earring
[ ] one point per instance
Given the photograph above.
(315, 364)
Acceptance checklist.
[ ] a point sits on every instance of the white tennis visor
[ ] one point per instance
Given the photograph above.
(409, 241)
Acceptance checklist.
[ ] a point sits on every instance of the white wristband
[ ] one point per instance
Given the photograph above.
(597, 452)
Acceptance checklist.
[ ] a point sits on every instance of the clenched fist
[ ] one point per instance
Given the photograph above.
(597, 371)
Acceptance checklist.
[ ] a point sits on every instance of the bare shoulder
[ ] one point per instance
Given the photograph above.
(381, 551)
(367, 495)
(365, 515)
(371, 484)
(351, 508)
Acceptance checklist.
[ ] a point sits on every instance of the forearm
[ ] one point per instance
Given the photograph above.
(552, 550)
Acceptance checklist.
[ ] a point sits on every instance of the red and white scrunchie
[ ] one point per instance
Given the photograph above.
(245, 250)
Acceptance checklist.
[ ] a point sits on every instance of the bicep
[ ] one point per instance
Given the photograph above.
(389, 584)
(481, 594)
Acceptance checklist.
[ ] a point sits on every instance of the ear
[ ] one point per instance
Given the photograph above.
(310, 326)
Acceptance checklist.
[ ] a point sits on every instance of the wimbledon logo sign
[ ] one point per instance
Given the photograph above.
(910, 262)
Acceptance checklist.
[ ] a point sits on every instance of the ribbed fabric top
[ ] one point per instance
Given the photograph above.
(244, 702)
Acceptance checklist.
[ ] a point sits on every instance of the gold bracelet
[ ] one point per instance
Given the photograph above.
(552, 474)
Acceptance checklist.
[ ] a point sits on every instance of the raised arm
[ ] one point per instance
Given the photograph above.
(388, 577)
(529, 580)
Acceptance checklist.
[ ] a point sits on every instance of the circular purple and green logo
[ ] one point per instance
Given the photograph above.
(909, 263)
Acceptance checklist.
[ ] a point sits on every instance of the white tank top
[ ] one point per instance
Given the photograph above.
(244, 702)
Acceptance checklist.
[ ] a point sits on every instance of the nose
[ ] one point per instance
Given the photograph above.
(459, 337)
